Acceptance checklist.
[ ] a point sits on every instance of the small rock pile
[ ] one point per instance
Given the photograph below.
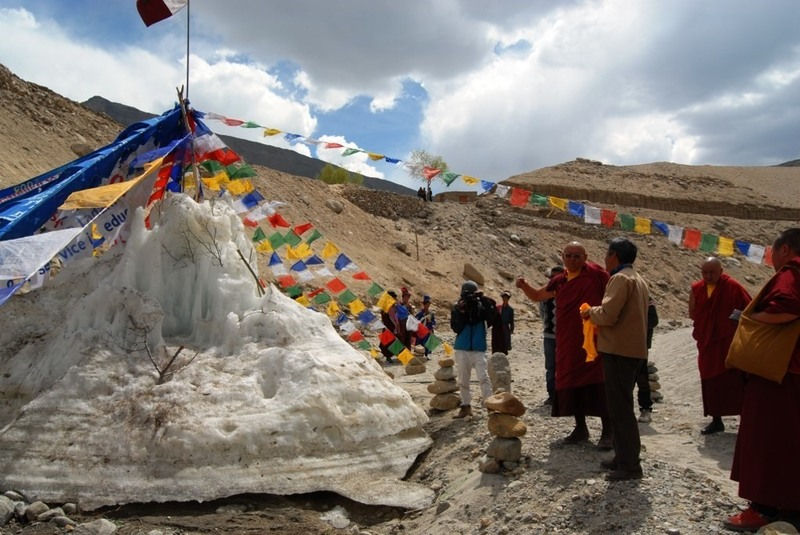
(505, 450)
(655, 387)
(444, 387)
(416, 365)
(15, 508)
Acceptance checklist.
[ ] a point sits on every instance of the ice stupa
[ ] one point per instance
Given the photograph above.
(264, 397)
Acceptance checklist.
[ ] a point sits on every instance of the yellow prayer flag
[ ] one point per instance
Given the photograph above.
(725, 247)
(333, 309)
(471, 180)
(357, 307)
(271, 131)
(385, 302)
(264, 247)
(642, 225)
(216, 182)
(405, 356)
(95, 234)
(330, 250)
(188, 180)
(303, 300)
(291, 254)
(373, 156)
(558, 202)
(303, 250)
(448, 349)
(239, 187)
(108, 194)
(374, 352)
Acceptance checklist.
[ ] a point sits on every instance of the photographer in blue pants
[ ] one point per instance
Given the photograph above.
(468, 319)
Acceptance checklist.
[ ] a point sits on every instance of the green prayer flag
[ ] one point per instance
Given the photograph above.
(449, 177)
(374, 291)
(321, 298)
(212, 166)
(292, 239)
(432, 343)
(315, 235)
(350, 152)
(538, 200)
(627, 221)
(363, 344)
(236, 171)
(294, 291)
(396, 347)
(347, 297)
(276, 240)
(259, 235)
(251, 124)
(709, 243)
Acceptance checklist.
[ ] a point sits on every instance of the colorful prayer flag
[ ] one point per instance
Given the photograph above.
(302, 229)
(356, 306)
(385, 302)
(432, 343)
(430, 172)
(675, 234)
(519, 197)
(501, 191)
(335, 285)
(576, 208)
(449, 177)
(386, 337)
(322, 298)
(469, 180)
(591, 215)
(755, 253)
(277, 220)
(708, 243)
(397, 347)
(662, 227)
(330, 250)
(314, 236)
(291, 238)
(362, 276)
(276, 240)
(607, 217)
(405, 356)
(346, 297)
(374, 290)
(691, 239)
(342, 261)
(768, 256)
(641, 225)
(725, 246)
(332, 309)
(259, 235)
(286, 281)
(627, 222)
(557, 202)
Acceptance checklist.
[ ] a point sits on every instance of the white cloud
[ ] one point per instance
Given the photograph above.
(358, 163)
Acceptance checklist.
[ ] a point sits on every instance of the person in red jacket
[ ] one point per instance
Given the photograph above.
(713, 304)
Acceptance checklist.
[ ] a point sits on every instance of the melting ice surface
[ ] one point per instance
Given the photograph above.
(274, 401)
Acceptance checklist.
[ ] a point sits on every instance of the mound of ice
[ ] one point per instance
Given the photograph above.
(263, 397)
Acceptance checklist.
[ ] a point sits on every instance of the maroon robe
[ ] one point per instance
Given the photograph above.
(579, 384)
(713, 330)
(765, 462)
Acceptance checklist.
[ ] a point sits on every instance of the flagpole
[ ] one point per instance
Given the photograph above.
(188, 9)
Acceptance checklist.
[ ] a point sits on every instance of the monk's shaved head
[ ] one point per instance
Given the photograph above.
(575, 246)
(711, 270)
(574, 256)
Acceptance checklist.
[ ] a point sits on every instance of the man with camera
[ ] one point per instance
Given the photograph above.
(468, 320)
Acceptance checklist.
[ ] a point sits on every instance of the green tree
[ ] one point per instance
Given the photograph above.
(420, 159)
(357, 178)
(332, 174)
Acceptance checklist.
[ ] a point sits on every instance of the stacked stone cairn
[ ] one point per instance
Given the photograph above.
(655, 386)
(444, 387)
(417, 364)
(505, 450)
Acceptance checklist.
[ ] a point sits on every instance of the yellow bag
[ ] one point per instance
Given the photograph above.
(763, 349)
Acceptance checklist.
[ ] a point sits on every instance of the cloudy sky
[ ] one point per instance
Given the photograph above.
(496, 88)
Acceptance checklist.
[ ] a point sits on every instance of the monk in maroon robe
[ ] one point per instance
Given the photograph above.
(765, 462)
(711, 303)
(579, 384)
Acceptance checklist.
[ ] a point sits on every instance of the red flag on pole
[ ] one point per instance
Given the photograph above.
(153, 11)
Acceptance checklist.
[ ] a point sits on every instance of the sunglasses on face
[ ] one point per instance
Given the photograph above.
(573, 255)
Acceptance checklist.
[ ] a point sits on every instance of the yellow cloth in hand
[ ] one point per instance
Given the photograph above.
(589, 331)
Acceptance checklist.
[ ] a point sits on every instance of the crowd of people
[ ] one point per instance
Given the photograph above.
(614, 299)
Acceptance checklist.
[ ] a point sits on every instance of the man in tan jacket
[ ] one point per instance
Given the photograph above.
(621, 319)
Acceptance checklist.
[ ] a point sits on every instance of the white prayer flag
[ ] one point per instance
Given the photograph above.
(756, 253)
(591, 215)
(675, 234)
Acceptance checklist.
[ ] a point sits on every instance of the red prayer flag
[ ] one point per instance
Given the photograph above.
(691, 238)
(336, 285)
(249, 223)
(422, 331)
(519, 197)
(232, 122)
(607, 217)
(355, 336)
(286, 281)
(315, 293)
(224, 156)
(300, 229)
(430, 172)
(362, 276)
(153, 11)
(333, 145)
(277, 220)
(768, 256)
(386, 337)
